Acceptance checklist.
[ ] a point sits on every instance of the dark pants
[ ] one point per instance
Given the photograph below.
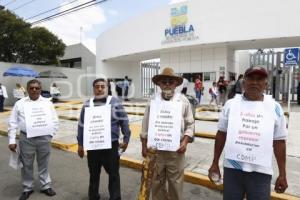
(298, 94)
(119, 91)
(109, 159)
(237, 184)
(126, 92)
(1, 103)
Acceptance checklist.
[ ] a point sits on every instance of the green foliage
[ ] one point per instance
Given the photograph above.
(19, 42)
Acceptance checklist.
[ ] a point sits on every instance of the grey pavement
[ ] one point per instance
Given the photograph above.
(70, 175)
(199, 154)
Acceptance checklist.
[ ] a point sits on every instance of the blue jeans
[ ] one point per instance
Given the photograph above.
(198, 95)
(237, 184)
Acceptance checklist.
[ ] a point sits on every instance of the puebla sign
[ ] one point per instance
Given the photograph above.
(180, 30)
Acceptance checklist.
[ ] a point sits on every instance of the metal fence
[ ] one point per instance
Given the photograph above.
(148, 70)
(278, 79)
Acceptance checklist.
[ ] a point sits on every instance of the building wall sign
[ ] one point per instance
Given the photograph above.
(180, 30)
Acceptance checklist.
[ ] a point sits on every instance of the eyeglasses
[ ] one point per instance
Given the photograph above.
(166, 81)
(100, 86)
(36, 88)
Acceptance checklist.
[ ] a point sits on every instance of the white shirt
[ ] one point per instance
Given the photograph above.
(17, 118)
(54, 90)
(185, 83)
(280, 133)
(126, 83)
(215, 91)
(3, 91)
(18, 93)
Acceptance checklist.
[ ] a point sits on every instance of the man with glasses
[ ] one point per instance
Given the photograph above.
(251, 126)
(168, 126)
(101, 119)
(37, 121)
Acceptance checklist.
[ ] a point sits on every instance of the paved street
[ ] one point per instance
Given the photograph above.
(70, 180)
(198, 157)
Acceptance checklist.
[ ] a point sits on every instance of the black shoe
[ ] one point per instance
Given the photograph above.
(25, 195)
(49, 192)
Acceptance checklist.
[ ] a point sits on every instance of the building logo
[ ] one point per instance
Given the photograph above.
(180, 30)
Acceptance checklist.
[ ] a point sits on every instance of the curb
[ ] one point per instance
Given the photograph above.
(207, 119)
(136, 113)
(200, 179)
(190, 177)
(62, 146)
(201, 109)
(135, 105)
(58, 145)
(205, 135)
(4, 133)
(68, 118)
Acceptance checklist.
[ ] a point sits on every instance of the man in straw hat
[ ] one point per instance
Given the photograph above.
(251, 127)
(168, 126)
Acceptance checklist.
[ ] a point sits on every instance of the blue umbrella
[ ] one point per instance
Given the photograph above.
(20, 72)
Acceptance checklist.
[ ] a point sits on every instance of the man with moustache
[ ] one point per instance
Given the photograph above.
(251, 126)
(106, 156)
(172, 113)
(35, 137)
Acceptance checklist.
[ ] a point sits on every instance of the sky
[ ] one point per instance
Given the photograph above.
(87, 24)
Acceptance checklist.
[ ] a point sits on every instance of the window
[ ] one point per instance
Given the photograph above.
(72, 63)
(209, 76)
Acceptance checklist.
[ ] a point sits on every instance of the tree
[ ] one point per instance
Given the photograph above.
(19, 42)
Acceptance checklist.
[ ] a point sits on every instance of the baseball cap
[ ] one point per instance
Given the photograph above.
(256, 70)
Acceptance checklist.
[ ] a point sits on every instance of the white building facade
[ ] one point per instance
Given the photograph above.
(197, 36)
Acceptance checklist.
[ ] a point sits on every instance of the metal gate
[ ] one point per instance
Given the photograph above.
(278, 79)
(148, 70)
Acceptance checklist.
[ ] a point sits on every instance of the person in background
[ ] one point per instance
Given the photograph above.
(298, 93)
(213, 91)
(19, 92)
(251, 127)
(3, 96)
(222, 87)
(231, 87)
(119, 89)
(198, 88)
(236, 87)
(126, 88)
(109, 81)
(185, 85)
(239, 85)
(55, 92)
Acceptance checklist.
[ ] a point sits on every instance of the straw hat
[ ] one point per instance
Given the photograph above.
(167, 73)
